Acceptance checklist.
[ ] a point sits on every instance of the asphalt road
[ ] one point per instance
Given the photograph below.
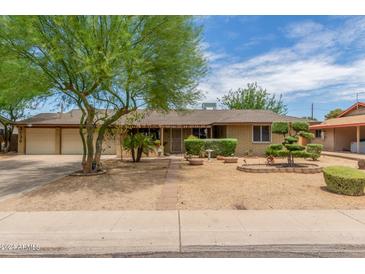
(264, 251)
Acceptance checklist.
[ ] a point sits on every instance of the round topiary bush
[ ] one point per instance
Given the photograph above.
(344, 180)
(315, 150)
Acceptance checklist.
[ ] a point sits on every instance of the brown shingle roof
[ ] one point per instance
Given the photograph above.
(347, 121)
(172, 118)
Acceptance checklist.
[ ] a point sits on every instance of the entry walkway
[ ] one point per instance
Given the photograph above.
(345, 155)
(121, 232)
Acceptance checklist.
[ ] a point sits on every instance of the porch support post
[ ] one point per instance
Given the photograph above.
(161, 136)
(358, 139)
(161, 142)
(182, 140)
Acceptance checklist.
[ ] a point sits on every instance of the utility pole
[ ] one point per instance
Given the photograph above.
(357, 99)
(312, 110)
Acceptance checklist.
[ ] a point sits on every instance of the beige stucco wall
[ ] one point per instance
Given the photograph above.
(243, 133)
(339, 139)
(343, 138)
(329, 140)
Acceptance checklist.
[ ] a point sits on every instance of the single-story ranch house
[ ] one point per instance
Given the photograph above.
(344, 133)
(57, 133)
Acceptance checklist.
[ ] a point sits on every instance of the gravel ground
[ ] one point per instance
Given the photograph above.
(221, 186)
(214, 185)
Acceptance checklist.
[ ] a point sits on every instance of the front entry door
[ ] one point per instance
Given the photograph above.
(176, 140)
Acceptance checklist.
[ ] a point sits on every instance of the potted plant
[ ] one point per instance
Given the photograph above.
(230, 159)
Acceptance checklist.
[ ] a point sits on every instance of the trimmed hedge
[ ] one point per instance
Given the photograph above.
(294, 147)
(280, 127)
(291, 139)
(194, 146)
(315, 150)
(307, 135)
(344, 180)
(300, 126)
(223, 147)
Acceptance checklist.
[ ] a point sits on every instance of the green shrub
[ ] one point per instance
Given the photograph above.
(344, 180)
(291, 139)
(301, 154)
(194, 146)
(307, 135)
(280, 127)
(192, 137)
(224, 147)
(294, 147)
(315, 150)
(300, 126)
(275, 146)
(277, 152)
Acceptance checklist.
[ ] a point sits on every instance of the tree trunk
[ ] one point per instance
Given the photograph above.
(8, 133)
(99, 146)
(133, 152)
(82, 136)
(139, 153)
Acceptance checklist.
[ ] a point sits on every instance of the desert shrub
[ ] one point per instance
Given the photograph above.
(224, 147)
(315, 150)
(300, 126)
(280, 128)
(344, 180)
(194, 146)
(138, 144)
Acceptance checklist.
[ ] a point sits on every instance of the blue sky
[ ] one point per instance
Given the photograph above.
(308, 59)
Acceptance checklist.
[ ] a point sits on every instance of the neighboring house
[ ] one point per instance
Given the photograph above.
(344, 133)
(58, 133)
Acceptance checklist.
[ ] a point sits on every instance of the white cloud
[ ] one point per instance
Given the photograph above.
(310, 64)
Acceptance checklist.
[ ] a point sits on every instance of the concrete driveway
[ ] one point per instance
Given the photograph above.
(21, 173)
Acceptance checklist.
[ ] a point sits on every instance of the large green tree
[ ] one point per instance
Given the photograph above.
(333, 113)
(21, 88)
(113, 63)
(253, 97)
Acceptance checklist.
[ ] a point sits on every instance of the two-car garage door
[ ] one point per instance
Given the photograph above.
(55, 141)
(41, 141)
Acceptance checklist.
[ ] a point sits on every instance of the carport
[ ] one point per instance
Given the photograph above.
(342, 134)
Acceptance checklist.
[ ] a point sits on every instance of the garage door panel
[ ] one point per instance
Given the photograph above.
(72, 144)
(40, 141)
(71, 141)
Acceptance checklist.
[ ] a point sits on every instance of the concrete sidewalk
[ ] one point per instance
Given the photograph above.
(121, 232)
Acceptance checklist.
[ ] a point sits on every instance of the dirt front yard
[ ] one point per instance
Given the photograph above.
(214, 185)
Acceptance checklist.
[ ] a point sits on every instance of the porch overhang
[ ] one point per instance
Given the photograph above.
(347, 121)
(324, 126)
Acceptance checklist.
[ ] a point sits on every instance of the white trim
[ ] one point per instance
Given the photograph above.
(260, 142)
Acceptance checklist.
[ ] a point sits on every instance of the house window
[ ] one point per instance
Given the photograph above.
(201, 133)
(318, 133)
(261, 134)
